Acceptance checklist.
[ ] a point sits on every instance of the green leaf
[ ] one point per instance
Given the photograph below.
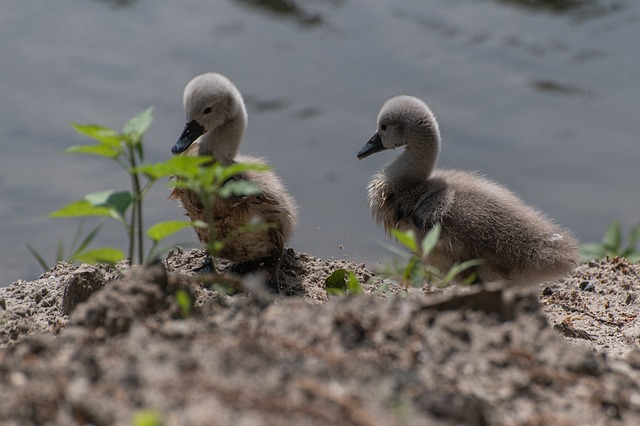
(38, 257)
(430, 240)
(239, 188)
(175, 166)
(458, 268)
(395, 250)
(229, 171)
(162, 230)
(147, 418)
(104, 135)
(89, 238)
(634, 257)
(139, 124)
(108, 255)
(81, 208)
(342, 282)
(612, 240)
(634, 235)
(215, 247)
(413, 271)
(119, 201)
(353, 285)
(592, 251)
(336, 284)
(223, 288)
(406, 238)
(100, 150)
(185, 303)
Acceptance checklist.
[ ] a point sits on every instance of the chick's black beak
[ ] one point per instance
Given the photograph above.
(374, 145)
(192, 131)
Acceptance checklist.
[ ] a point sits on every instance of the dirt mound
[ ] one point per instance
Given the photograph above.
(473, 356)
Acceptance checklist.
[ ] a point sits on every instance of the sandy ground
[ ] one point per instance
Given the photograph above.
(89, 345)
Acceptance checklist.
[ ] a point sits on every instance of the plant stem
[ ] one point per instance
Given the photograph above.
(138, 203)
(136, 213)
(131, 233)
(208, 214)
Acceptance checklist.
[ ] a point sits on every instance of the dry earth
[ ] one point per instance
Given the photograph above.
(90, 345)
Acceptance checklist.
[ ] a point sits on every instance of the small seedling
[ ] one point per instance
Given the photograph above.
(77, 250)
(414, 268)
(125, 148)
(147, 418)
(612, 244)
(342, 282)
(126, 207)
(185, 303)
(210, 183)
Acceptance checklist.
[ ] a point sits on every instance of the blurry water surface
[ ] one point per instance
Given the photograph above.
(542, 96)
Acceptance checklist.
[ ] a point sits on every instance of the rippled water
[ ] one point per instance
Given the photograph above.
(540, 95)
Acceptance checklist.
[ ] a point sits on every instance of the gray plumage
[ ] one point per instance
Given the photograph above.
(479, 218)
(216, 121)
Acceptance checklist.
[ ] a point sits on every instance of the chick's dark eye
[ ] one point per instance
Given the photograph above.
(207, 110)
(383, 127)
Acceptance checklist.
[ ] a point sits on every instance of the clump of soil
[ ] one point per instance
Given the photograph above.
(566, 353)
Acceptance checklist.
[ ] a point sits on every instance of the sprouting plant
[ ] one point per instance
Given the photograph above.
(414, 268)
(76, 250)
(125, 148)
(147, 418)
(210, 183)
(208, 179)
(185, 303)
(342, 282)
(612, 244)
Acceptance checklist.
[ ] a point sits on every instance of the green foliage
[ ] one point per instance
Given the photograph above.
(112, 204)
(185, 303)
(162, 230)
(211, 183)
(77, 247)
(414, 268)
(612, 244)
(125, 206)
(108, 255)
(147, 418)
(223, 288)
(125, 147)
(342, 282)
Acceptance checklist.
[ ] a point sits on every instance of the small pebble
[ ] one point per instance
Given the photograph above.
(630, 298)
(587, 286)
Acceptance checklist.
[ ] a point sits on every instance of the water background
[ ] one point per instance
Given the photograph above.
(542, 96)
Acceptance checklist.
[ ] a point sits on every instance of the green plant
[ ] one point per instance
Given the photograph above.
(612, 244)
(147, 418)
(125, 147)
(210, 183)
(126, 207)
(185, 303)
(342, 282)
(414, 268)
(76, 251)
